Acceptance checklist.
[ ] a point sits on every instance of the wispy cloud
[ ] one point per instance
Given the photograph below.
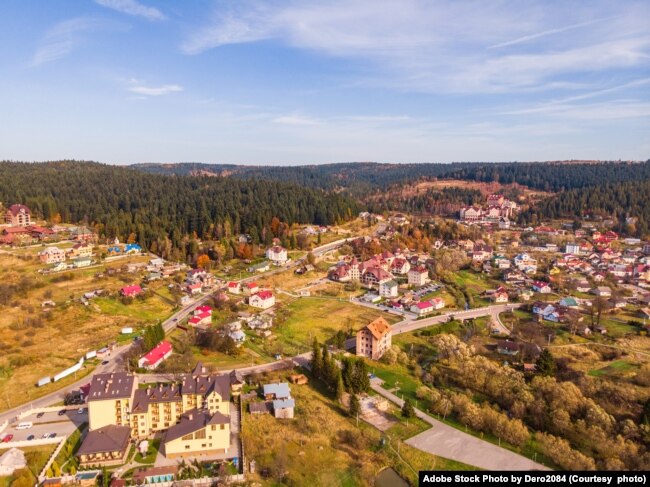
(141, 89)
(62, 39)
(132, 7)
(295, 120)
(531, 37)
(415, 45)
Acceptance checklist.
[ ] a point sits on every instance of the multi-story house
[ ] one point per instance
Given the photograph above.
(51, 255)
(374, 339)
(277, 255)
(418, 276)
(18, 216)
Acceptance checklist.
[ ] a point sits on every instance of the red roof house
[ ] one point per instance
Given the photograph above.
(156, 356)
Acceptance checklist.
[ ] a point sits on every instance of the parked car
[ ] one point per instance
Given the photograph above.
(40, 415)
(30, 437)
(52, 435)
(45, 435)
(105, 362)
(62, 412)
(7, 438)
(81, 411)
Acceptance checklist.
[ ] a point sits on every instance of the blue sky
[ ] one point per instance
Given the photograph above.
(299, 81)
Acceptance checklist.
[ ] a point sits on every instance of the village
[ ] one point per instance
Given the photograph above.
(201, 356)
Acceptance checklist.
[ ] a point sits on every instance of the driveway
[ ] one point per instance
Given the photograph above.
(448, 442)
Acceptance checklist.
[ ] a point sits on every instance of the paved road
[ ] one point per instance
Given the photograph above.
(493, 311)
(448, 442)
(48, 423)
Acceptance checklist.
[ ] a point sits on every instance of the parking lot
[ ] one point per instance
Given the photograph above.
(429, 288)
(49, 423)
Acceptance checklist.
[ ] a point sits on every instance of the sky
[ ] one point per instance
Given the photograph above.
(309, 82)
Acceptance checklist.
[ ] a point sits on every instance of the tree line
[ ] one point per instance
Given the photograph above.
(119, 201)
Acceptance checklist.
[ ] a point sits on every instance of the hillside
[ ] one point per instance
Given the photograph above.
(118, 201)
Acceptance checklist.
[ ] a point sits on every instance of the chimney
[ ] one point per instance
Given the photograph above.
(190, 416)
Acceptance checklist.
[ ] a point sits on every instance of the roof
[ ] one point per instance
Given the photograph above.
(15, 209)
(423, 304)
(279, 390)
(264, 294)
(233, 284)
(106, 439)
(259, 407)
(158, 352)
(284, 404)
(134, 288)
(115, 385)
(13, 458)
(194, 420)
(236, 377)
(252, 285)
(379, 328)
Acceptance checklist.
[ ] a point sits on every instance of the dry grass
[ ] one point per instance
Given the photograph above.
(35, 343)
(323, 446)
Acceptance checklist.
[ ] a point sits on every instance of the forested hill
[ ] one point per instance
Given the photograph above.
(609, 200)
(119, 200)
(362, 178)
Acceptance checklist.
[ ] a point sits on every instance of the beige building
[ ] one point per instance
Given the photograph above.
(374, 339)
(51, 255)
(81, 250)
(18, 216)
(116, 400)
(198, 431)
(107, 445)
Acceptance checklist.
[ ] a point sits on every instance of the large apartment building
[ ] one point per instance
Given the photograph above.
(374, 339)
(196, 401)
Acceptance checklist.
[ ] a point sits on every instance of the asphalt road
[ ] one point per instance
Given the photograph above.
(448, 442)
(48, 423)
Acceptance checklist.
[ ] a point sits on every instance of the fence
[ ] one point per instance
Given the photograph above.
(54, 454)
(35, 442)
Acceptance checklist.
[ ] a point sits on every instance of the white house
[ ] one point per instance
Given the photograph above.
(437, 303)
(388, 289)
(422, 308)
(263, 300)
(277, 255)
(573, 248)
(541, 287)
(418, 276)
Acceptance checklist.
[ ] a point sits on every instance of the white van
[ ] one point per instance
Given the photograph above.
(24, 426)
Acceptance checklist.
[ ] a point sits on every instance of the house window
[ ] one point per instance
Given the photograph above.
(187, 437)
(187, 447)
(223, 426)
(203, 445)
(199, 435)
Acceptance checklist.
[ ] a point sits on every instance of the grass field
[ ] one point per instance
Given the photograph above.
(69, 329)
(615, 368)
(36, 457)
(338, 453)
(302, 319)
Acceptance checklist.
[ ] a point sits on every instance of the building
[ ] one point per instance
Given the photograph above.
(108, 445)
(198, 431)
(131, 291)
(18, 216)
(234, 287)
(251, 288)
(374, 339)
(422, 308)
(602, 291)
(388, 289)
(375, 276)
(263, 300)
(12, 460)
(283, 408)
(418, 276)
(116, 400)
(573, 249)
(437, 303)
(274, 391)
(277, 255)
(541, 287)
(154, 475)
(156, 356)
(51, 255)
(81, 249)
